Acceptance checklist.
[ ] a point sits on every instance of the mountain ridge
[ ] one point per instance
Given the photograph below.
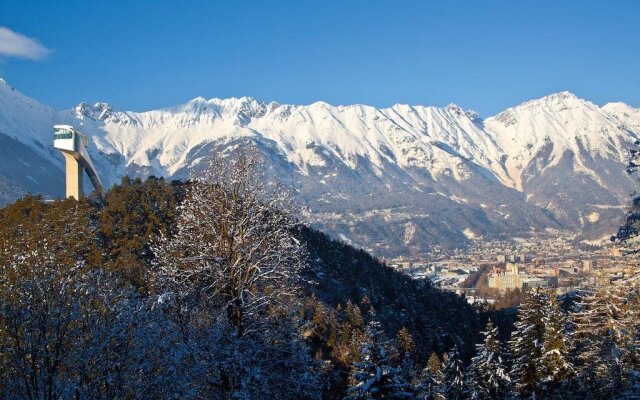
(394, 180)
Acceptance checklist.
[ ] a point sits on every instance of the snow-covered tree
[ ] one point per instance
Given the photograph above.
(593, 345)
(623, 312)
(273, 365)
(555, 349)
(353, 333)
(454, 375)
(234, 246)
(431, 386)
(406, 370)
(605, 342)
(72, 330)
(526, 345)
(43, 292)
(487, 377)
(630, 343)
(373, 377)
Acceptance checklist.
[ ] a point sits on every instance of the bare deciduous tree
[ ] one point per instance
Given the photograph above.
(234, 242)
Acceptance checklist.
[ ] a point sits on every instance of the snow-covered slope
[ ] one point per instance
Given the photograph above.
(425, 137)
(567, 155)
(23, 118)
(629, 116)
(565, 122)
(394, 180)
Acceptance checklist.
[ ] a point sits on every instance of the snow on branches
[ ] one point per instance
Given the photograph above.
(234, 244)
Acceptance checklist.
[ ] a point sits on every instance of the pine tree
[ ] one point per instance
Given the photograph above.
(431, 380)
(405, 341)
(623, 322)
(373, 376)
(592, 345)
(605, 343)
(430, 386)
(526, 345)
(405, 378)
(434, 364)
(487, 376)
(406, 370)
(353, 335)
(630, 332)
(453, 372)
(555, 350)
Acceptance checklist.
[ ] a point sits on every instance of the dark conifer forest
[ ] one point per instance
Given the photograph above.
(212, 289)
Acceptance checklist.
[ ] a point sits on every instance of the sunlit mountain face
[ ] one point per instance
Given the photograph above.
(395, 181)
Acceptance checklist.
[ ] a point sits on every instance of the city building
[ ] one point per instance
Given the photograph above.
(517, 281)
(588, 265)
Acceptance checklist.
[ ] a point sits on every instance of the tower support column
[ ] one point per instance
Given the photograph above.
(74, 171)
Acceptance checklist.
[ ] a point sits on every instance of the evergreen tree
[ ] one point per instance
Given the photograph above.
(405, 341)
(605, 343)
(487, 377)
(431, 380)
(630, 332)
(592, 346)
(526, 345)
(434, 365)
(373, 377)
(430, 386)
(405, 378)
(134, 214)
(353, 335)
(453, 372)
(623, 321)
(406, 370)
(555, 350)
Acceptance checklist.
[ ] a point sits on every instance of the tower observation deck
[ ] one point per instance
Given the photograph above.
(73, 145)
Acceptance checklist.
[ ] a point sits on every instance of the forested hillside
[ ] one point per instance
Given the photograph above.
(213, 289)
(93, 304)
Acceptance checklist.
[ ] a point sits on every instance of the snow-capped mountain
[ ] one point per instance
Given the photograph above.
(393, 180)
(567, 155)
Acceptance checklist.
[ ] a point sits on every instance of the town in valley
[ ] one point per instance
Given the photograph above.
(487, 270)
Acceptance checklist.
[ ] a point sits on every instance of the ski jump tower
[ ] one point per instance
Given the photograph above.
(73, 145)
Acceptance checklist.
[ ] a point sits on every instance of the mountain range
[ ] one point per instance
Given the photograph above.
(398, 180)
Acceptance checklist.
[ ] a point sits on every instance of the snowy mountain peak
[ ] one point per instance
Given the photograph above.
(562, 95)
(244, 107)
(473, 115)
(618, 105)
(556, 129)
(455, 109)
(100, 111)
(557, 102)
(628, 115)
(197, 100)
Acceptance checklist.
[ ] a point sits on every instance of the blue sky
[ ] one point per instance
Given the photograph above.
(483, 55)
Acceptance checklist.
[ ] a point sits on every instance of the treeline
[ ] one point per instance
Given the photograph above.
(206, 289)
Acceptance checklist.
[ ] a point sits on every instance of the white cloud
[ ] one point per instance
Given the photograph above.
(14, 44)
